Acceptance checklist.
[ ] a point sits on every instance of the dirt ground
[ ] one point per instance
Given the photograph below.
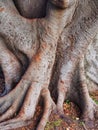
(72, 114)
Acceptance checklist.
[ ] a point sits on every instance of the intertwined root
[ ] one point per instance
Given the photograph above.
(11, 103)
(35, 81)
(27, 111)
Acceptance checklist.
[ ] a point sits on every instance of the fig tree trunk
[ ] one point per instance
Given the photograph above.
(46, 50)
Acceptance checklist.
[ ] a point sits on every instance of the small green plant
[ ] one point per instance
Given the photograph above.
(53, 124)
(67, 102)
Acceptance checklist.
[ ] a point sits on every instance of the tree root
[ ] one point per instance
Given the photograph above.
(15, 97)
(27, 112)
(87, 105)
(12, 109)
(49, 106)
(13, 123)
(32, 84)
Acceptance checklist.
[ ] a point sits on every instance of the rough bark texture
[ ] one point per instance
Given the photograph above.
(91, 65)
(47, 56)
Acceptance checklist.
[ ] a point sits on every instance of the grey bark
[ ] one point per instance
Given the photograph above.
(59, 55)
(91, 65)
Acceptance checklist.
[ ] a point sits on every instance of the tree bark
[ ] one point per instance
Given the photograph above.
(44, 56)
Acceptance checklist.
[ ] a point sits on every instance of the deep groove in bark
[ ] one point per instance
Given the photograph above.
(2, 82)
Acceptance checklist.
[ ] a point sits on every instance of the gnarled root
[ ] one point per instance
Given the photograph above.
(88, 106)
(27, 112)
(76, 92)
(49, 106)
(31, 86)
(11, 103)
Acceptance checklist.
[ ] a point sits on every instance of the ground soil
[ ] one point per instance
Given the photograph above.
(57, 122)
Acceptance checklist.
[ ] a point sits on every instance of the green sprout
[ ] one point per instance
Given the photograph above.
(67, 102)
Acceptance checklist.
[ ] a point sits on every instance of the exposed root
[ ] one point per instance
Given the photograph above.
(49, 106)
(32, 84)
(87, 104)
(14, 98)
(61, 97)
(14, 123)
(12, 110)
(27, 112)
(62, 94)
